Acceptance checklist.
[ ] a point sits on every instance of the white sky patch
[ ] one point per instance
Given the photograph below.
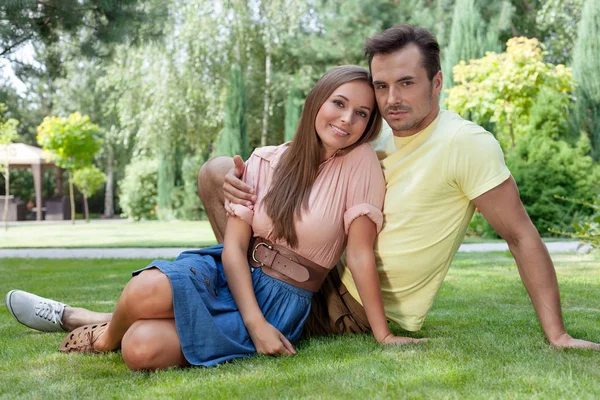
(25, 55)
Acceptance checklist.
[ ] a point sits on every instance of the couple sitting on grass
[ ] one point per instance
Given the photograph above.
(292, 209)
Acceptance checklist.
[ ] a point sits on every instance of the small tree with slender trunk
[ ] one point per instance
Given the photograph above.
(88, 180)
(72, 141)
(8, 133)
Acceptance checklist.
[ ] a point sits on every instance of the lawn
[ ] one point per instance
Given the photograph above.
(113, 233)
(485, 343)
(123, 233)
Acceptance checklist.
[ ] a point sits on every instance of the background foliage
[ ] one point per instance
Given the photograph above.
(162, 81)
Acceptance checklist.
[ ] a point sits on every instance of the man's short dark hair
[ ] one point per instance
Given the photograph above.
(401, 35)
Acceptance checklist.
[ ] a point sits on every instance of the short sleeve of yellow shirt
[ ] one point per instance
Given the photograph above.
(431, 178)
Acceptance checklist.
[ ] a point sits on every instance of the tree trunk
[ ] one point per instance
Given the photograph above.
(512, 135)
(267, 100)
(86, 209)
(7, 187)
(72, 197)
(109, 208)
(59, 182)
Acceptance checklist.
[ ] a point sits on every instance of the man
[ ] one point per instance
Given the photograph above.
(438, 168)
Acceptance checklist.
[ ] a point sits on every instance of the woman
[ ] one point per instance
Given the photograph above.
(318, 193)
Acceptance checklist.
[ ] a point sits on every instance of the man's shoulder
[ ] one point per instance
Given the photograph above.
(453, 124)
(463, 134)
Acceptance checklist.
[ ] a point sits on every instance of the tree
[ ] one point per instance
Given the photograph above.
(586, 70)
(501, 88)
(107, 21)
(557, 21)
(293, 110)
(233, 139)
(8, 133)
(72, 142)
(88, 180)
(471, 36)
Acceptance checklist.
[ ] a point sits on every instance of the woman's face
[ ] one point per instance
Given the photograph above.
(344, 116)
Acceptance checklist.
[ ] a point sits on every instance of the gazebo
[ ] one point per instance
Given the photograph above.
(21, 155)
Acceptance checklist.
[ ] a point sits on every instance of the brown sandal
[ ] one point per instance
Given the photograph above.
(81, 340)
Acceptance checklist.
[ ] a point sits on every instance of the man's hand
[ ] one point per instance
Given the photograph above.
(234, 189)
(268, 340)
(565, 341)
(391, 339)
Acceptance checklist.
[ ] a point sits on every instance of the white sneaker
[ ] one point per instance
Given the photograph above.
(35, 312)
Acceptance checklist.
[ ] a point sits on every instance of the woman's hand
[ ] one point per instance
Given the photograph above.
(391, 339)
(268, 340)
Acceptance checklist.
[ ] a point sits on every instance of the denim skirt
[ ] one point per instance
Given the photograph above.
(209, 324)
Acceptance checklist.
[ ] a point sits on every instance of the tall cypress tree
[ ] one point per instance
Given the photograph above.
(471, 36)
(233, 138)
(166, 181)
(586, 71)
(293, 109)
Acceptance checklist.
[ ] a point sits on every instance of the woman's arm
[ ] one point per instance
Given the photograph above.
(360, 259)
(266, 338)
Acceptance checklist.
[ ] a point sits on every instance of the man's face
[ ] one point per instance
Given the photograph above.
(406, 97)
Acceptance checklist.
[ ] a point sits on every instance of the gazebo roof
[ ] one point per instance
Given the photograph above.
(21, 154)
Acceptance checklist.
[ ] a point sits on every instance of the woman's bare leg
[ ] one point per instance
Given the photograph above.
(152, 344)
(146, 296)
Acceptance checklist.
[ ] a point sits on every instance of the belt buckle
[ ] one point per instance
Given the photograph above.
(254, 251)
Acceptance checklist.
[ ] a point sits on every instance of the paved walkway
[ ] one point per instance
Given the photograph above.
(172, 252)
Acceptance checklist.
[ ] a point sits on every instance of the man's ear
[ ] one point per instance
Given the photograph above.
(437, 82)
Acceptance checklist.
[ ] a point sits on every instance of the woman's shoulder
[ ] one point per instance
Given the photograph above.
(362, 153)
(270, 154)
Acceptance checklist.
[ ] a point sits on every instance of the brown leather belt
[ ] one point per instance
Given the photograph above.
(281, 263)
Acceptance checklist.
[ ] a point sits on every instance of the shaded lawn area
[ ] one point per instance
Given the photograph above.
(485, 343)
(102, 234)
(123, 233)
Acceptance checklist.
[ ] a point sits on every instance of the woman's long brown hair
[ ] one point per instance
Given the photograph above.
(298, 168)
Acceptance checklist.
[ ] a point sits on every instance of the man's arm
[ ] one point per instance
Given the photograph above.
(503, 209)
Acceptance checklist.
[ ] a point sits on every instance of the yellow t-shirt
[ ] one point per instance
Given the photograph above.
(431, 178)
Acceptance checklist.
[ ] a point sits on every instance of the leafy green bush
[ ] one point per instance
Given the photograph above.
(587, 230)
(546, 163)
(479, 227)
(138, 197)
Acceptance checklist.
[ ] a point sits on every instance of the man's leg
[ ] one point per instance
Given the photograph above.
(334, 311)
(49, 315)
(210, 190)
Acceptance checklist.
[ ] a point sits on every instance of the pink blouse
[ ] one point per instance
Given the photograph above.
(346, 188)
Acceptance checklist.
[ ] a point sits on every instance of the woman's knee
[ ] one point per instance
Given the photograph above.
(151, 345)
(139, 347)
(149, 289)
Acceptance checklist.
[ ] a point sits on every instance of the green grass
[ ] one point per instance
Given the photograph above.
(485, 343)
(116, 233)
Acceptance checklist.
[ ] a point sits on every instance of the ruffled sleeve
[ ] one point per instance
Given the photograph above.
(366, 190)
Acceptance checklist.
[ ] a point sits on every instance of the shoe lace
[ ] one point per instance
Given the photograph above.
(49, 311)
